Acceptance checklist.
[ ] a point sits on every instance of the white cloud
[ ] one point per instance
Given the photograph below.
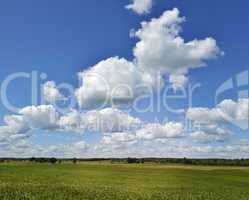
(140, 6)
(16, 124)
(116, 138)
(114, 81)
(51, 93)
(211, 122)
(235, 110)
(210, 133)
(71, 122)
(154, 131)
(204, 115)
(159, 52)
(15, 129)
(45, 117)
(77, 149)
(226, 111)
(202, 137)
(18, 127)
(117, 81)
(178, 81)
(162, 49)
(105, 121)
(40, 117)
(110, 120)
(22, 148)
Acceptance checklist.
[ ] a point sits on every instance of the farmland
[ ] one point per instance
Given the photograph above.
(97, 180)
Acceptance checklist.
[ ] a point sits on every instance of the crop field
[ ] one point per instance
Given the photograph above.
(103, 181)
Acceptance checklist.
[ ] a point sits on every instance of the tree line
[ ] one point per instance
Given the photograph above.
(185, 161)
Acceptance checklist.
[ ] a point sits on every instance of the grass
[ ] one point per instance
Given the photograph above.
(121, 182)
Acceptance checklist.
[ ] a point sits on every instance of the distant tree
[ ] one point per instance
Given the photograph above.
(131, 160)
(32, 159)
(74, 160)
(53, 160)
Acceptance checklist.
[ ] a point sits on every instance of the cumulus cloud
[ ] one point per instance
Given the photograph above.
(160, 52)
(51, 93)
(111, 120)
(136, 140)
(15, 129)
(211, 122)
(76, 149)
(154, 131)
(16, 124)
(23, 148)
(118, 138)
(226, 111)
(114, 81)
(203, 137)
(178, 81)
(40, 117)
(210, 133)
(140, 6)
(118, 81)
(161, 48)
(18, 127)
(72, 121)
(204, 115)
(238, 110)
(105, 121)
(46, 117)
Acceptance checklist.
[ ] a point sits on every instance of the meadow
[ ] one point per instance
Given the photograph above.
(105, 181)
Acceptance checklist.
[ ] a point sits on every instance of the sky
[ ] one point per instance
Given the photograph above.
(141, 78)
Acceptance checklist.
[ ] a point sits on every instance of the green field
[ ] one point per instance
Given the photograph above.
(121, 181)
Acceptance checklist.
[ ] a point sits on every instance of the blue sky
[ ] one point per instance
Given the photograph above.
(62, 38)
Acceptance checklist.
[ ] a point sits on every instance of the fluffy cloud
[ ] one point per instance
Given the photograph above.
(15, 129)
(211, 122)
(16, 124)
(204, 115)
(45, 117)
(51, 93)
(111, 120)
(178, 81)
(203, 137)
(40, 117)
(4, 134)
(105, 121)
(154, 131)
(208, 133)
(231, 110)
(159, 52)
(162, 49)
(117, 81)
(226, 111)
(71, 121)
(140, 6)
(23, 148)
(114, 81)
(117, 138)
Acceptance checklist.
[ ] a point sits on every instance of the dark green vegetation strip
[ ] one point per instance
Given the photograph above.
(116, 182)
